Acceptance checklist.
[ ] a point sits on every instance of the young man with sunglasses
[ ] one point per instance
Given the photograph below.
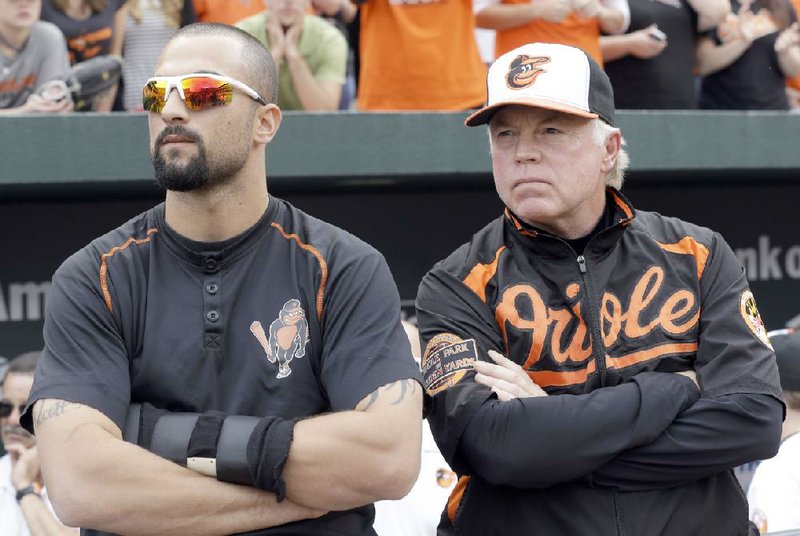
(261, 348)
(24, 506)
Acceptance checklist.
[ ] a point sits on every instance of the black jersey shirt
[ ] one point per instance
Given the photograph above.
(293, 318)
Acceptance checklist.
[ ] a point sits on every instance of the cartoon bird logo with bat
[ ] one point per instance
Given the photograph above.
(288, 336)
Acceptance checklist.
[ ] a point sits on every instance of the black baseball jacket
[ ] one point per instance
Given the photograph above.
(623, 446)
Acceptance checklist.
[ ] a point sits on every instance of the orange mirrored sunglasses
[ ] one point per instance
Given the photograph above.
(199, 91)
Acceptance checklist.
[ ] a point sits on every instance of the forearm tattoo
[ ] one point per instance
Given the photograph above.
(401, 389)
(48, 410)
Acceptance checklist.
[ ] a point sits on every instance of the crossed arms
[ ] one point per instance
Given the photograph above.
(336, 462)
(650, 433)
(653, 431)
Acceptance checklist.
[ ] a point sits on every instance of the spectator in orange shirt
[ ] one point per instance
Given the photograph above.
(226, 11)
(419, 55)
(577, 23)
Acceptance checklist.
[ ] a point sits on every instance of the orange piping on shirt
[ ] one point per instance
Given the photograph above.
(323, 265)
(104, 264)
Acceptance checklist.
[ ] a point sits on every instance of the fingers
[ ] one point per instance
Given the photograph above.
(496, 383)
(503, 361)
(788, 37)
(503, 396)
(504, 369)
(38, 104)
(509, 390)
(506, 378)
(15, 449)
(692, 375)
(18, 450)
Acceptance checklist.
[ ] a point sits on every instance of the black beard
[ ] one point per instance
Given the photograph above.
(193, 176)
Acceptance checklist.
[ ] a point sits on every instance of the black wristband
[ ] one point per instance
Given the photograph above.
(203, 442)
(267, 452)
(27, 490)
(148, 418)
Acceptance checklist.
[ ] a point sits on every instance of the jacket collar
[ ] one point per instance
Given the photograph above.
(602, 242)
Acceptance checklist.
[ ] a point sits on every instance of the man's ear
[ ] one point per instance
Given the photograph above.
(268, 120)
(613, 145)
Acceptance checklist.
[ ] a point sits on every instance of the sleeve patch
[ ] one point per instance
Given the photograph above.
(751, 316)
(447, 360)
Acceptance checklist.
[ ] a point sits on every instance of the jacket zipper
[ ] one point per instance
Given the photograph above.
(589, 310)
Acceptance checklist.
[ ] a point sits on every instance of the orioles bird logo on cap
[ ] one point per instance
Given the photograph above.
(523, 71)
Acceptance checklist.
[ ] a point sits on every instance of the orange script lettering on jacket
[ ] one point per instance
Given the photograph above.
(678, 313)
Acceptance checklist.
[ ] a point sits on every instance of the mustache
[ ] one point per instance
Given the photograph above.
(176, 130)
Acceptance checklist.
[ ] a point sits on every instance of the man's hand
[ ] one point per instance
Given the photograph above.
(25, 469)
(587, 8)
(759, 25)
(643, 45)
(749, 26)
(38, 104)
(506, 378)
(291, 39)
(692, 375)
(277, 41)
(552, 10)
(788, 38)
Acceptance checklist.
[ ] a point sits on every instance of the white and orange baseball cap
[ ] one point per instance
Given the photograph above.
(551, 76)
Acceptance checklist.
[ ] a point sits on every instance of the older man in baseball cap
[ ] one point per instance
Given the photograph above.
(593, 369)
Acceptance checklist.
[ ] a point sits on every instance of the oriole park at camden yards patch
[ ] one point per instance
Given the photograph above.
(447, 359)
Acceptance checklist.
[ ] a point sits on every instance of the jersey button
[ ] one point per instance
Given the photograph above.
(212, 288)
(211, 265)
(212, 316)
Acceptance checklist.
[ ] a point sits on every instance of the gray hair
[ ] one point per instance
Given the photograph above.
(23, 364)
(616, 176)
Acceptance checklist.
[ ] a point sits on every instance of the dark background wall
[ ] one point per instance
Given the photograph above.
(414, 186)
